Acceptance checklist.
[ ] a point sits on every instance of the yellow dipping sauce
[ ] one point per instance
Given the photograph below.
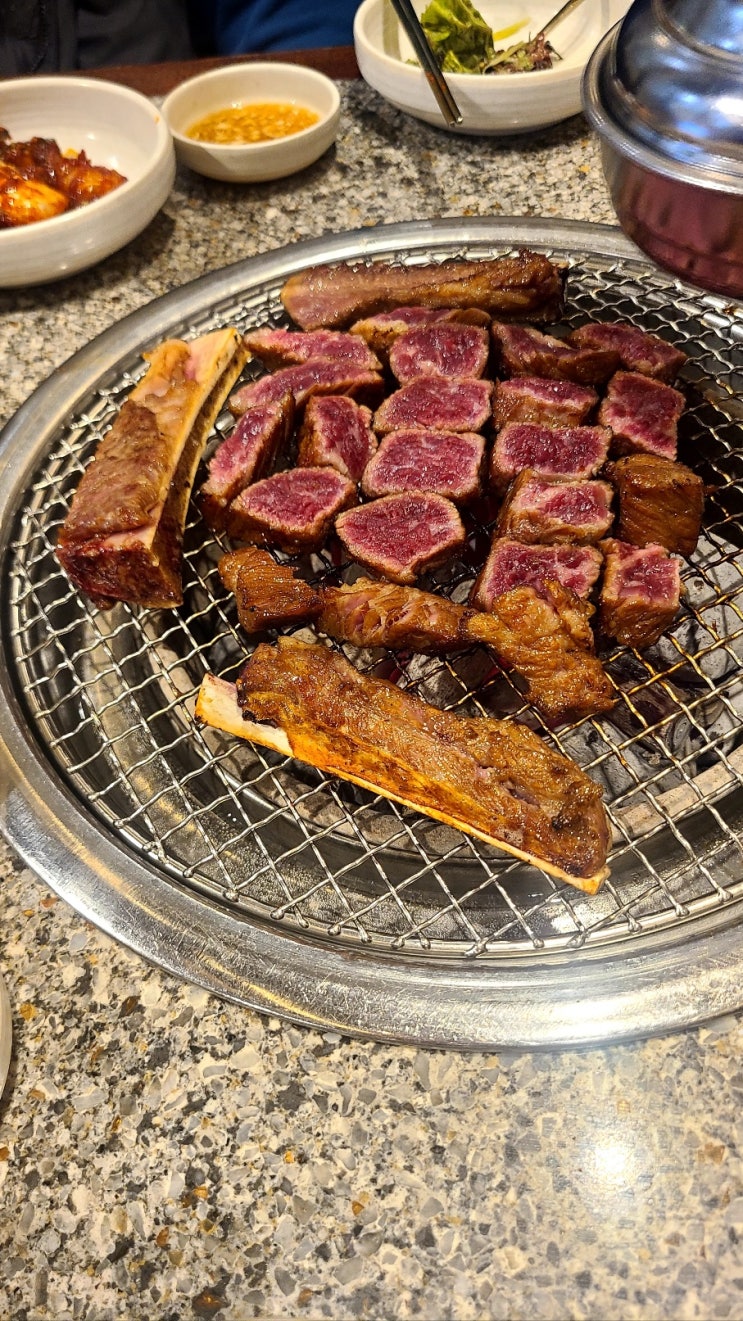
(257, 122)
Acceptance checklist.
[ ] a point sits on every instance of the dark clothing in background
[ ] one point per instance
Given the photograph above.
(51, 36)
(232, 27)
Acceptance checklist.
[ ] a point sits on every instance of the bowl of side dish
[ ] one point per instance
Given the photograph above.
(122, 135)
(491, 103)
(253, 122)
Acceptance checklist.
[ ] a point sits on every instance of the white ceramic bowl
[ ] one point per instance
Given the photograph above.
(116, 127)
(490, 103)
(242, 84)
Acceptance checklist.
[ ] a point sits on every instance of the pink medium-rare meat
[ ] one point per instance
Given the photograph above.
(448, 462)
(495, 779)
(286, 348)
(381, 331)
(266, 594)
(336, 433)
(401, 536)
(436, 404)
(660, 502)
(643, 414)
(524, 351)
(293, 510)
(317, 376)
(549, 511)
(245, 456)
(122, 539)
(445, 348)
(528, 286)
(638, 350)
(577, 452)
(640, 593)
(551, 648)
(516, 564)
(536, 399)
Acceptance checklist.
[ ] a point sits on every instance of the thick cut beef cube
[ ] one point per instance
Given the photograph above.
(640, 593)
(638, 350)
(576, 452)
(660, 502)
(381, 331)
(293, 510)
(246, 455)
(448, 462)
(515, 564)
(545, 510)
(336, 433)
(317, 376)
(267, 594)
(436, 404)
(535, 399)
(285, 348)
(442, 349)
(523, 351)
(643, 414)
(400, 536)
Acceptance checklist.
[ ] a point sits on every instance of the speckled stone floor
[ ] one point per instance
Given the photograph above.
(167, 1155)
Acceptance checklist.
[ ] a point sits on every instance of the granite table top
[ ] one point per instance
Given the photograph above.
(165, 1154)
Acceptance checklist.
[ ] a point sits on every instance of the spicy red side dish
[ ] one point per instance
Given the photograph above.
(39, 181)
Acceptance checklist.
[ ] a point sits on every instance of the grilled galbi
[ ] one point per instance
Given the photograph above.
(493, 779)
(123, 536)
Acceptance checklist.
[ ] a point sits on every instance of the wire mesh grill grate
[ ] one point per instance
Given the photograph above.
(111, 697)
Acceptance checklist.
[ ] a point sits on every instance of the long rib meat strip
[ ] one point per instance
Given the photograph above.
(528, 287)
(493, 779)
(122, 538)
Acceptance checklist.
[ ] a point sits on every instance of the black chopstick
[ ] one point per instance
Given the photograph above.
(436, 80)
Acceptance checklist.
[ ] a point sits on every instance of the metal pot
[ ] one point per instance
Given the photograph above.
(664, 92)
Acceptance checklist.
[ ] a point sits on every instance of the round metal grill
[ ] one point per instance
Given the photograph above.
(103, 706)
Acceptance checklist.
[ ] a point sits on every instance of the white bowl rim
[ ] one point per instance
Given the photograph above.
(562, 72)
(163, 147)
(254, 147)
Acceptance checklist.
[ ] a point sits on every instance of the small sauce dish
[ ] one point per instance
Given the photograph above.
(268, 84)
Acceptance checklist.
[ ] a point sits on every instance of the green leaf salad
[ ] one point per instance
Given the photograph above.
(464, 43)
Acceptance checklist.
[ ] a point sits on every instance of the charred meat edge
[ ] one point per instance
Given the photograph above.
(465, 739)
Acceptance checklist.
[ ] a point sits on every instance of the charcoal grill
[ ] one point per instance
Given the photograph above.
(307, 898)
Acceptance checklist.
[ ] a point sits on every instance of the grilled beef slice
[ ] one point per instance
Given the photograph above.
(643, 415)
(448, 462)
(286, 348)
(494, 779)
(122, 539)
(293, 510)
(638, 350)
(381, 331)
(660, 502)
(445, 348)
(336, 433)
(436, 404)
(535, 399)
(401, 536)
(548, 511)
(576, 452)
(245, 456)
(551, 648)
(524, 351)
(266, 594)
(316, 376)
(528, 286)
(640, 593)
(517, 564)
